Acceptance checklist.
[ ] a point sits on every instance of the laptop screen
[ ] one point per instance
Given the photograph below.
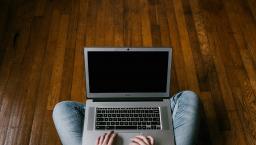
(127, 71)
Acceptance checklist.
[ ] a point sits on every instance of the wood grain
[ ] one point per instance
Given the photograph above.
(42, 63)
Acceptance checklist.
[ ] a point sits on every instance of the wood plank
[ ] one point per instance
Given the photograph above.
(154, 23)
(145, 24)
(78, 81)
(245, 102)
(241, 35)
(109, 23)
(236, 134)
(49, 136)
(220, 50)
(199, 42)
(134, 22)
(126, 25)
(38, 45)
(45, 79)
(100, 22)
(57, 71)
(251, 4)
(68, 63)
(40, 8)
(24, 99)
(186, 47)
(118, 12)
(163, 22)
(91, 23)
(175, 43)
(209, 117)
(13, 71)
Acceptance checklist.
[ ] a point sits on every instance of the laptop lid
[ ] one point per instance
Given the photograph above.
(127, 72)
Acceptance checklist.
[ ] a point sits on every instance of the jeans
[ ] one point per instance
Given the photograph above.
(68, 118)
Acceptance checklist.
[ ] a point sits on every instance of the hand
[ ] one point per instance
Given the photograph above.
(142, 140)
(106, 139)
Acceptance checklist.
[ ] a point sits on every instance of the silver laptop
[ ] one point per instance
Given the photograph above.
(128, 92)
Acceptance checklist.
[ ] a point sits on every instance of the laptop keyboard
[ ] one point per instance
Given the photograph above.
(128, 118)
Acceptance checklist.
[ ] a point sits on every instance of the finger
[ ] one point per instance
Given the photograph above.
(102, 139)
(112, 137)
(133, 143)
(98, 140)
(151, 139)
(138, 141)
(107, 137)
(143, 138)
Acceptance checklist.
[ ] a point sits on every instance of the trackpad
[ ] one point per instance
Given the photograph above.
(125, 138)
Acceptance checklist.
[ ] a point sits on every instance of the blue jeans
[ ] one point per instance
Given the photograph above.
(68, 118)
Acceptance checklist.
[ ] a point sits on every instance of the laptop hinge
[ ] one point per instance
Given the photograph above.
(128, 99)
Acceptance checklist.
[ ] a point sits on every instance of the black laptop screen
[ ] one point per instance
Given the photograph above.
(122, 72)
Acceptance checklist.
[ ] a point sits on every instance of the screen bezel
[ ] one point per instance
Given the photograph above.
(89, 94)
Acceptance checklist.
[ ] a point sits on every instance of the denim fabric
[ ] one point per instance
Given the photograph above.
(68, 118)
(185, 114)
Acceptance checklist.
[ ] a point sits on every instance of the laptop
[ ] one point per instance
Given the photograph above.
(128, 91)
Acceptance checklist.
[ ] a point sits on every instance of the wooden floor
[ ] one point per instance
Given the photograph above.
(41, 59)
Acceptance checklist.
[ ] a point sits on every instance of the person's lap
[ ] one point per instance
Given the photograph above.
(68, 117)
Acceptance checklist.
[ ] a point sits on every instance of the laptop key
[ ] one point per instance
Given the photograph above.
(101, 123)
(155, 123)
(156, 111)
(110, 127)
(126, 127)
(100, 127)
